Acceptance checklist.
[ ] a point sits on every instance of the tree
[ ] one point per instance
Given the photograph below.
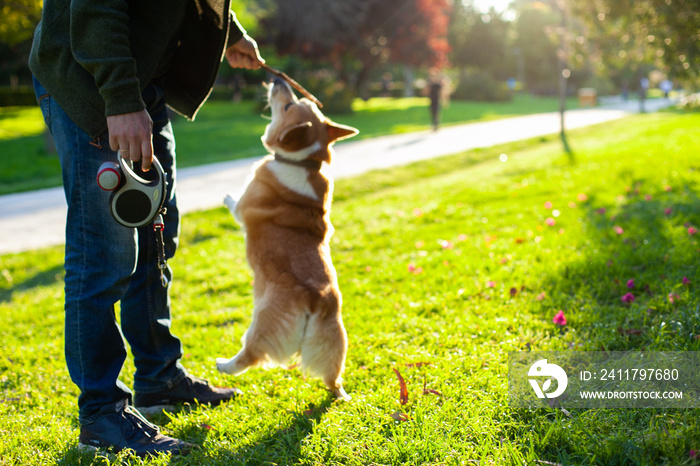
(18, 18)
(478, 40)
(353, 37)
(632, 33)
(538, 45)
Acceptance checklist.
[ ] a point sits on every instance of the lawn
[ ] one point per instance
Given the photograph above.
(225, 131)
(446, 266)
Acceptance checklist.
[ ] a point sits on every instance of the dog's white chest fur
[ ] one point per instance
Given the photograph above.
(294, 178)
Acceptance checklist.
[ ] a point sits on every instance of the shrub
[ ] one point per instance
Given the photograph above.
(20, 97)
(476, 85)
(690, 103)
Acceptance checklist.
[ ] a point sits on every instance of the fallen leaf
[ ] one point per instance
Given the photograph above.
(403, 390)
(418, 364)
(401, 417)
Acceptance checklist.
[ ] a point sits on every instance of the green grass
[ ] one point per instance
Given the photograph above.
(415, 248)
(225, 131)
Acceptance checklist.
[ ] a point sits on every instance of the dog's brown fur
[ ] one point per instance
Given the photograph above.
(285, 211)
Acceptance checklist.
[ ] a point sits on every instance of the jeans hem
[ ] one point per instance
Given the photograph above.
(167, 385)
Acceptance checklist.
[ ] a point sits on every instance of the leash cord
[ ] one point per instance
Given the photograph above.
(158, 227)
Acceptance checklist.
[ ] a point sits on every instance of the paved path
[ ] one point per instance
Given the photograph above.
(37, 219)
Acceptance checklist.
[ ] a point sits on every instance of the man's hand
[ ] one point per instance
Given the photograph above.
(244, 54)
(132, 135)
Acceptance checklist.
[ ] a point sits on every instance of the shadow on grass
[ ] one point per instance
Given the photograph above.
(643, 245)
(282, 446)
(44, 278)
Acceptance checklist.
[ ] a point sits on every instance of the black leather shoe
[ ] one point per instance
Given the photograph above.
(122, 427)
(190, 390)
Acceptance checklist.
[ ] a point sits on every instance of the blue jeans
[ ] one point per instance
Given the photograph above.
(106, 262)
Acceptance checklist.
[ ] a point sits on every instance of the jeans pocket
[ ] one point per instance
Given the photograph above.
(43, 98)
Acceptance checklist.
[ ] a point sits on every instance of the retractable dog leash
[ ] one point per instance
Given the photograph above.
(137, 200)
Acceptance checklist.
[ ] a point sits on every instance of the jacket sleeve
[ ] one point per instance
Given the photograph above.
(99, 35)
(235, 30)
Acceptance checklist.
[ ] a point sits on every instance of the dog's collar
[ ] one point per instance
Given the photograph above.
(311, 164)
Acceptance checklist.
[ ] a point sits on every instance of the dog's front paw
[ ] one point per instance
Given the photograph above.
(230, 202)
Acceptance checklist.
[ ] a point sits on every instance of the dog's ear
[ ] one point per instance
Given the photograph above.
(296, 136)
(336, 131)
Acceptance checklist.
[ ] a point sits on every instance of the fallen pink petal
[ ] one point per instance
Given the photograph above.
(582, 197)
(628, 298)
(540, 296)
(648, 197)
(602, 210)
(692, 231)
(668, 211)
(550, 221)
(547, 205)
(630, 283)
(673, 297)
(618, 230)
(490, 284)
(559, 318)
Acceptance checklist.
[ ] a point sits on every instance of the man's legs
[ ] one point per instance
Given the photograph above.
(145, 308)
(101, 256)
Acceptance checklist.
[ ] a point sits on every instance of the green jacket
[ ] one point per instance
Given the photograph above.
(95, 57)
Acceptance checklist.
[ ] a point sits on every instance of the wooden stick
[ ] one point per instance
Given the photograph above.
(292, 82)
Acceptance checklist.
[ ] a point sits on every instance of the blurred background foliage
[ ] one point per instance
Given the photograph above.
(364, 48)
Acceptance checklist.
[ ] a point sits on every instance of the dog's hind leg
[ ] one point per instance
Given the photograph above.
(323, 351)
(241, 362)
(273, 338)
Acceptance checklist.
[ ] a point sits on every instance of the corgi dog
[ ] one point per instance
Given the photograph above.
(285, 212)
